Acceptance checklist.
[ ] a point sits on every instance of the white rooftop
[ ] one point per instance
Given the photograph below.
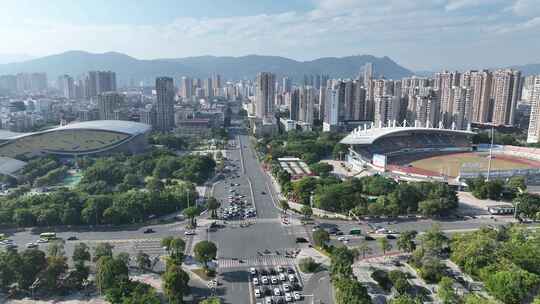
(367, 136)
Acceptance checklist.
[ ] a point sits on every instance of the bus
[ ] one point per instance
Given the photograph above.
(355, 232)
(47, 236)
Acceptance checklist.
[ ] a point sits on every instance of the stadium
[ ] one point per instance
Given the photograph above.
(77, 139)
(437, 154)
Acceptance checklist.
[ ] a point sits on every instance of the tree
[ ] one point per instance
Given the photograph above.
(143, 261)
(405, 299)
(350, 291)
(320, 237)
(405, 241)
(205, 251)
(212, 205)
(446, 292)
(284, 205)
(306, 211)
(124, 257)
(32, 262)
(433, 241)
(341, 260)
(51, 275)
(385, 245)
(166, 242)
(109, 272)
(321, 169)
(81, 253)
(364, 249)
(101, 250)
(56, 248)
(211, 301)
(192, 213)
(175, 284)
(308, 265)
(176, 248)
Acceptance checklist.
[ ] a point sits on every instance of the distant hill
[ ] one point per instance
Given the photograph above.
(245, 67)
(8, 58)
(528, 69)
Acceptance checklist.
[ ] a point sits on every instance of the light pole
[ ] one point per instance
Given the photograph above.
(490, 154)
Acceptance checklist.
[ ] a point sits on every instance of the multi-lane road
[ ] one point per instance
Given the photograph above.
(243, 248)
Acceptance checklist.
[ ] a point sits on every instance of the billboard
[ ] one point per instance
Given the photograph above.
(379, 160)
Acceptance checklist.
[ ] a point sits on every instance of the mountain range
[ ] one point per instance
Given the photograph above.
(129, 68)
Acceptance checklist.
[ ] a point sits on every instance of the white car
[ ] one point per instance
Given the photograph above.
(274, 280)
(280, 269)
(292, 278)
(253, 271)
(264, 280)
(31, 245)
(277, 292)
(189, 232)
(258, 293)
(255, 281)
(297, 296)
(286, 287)
(288, 297)
(282, 277)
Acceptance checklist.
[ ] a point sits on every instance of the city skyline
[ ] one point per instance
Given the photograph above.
(432, 35)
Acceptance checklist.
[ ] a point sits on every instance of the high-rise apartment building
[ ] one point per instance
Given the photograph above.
(533, 135)
(66, 86)
(208, 88)
(264, 95)
(294, 104)
(331, 108)
(307, 101)
(108, 104)
(445, 82)
(97, 82)
(480, 83)
(186, 87)
(164, 104)
(505, 94)
(368, 73)
(387, 110)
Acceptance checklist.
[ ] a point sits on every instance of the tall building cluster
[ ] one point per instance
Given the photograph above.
(448, 99)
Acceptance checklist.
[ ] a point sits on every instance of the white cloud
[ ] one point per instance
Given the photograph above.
(417, 33)
(526, 7)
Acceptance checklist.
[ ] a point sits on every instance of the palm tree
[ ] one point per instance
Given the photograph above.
(212, 204)
(364, 249)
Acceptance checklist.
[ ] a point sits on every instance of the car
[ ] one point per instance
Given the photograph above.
(290, 270)
(277, 292)
(264, 280)
(264, 271)
(189, 232)
(258, 293)
(31, 245)
(280, 269)
(263, 193)
(72, 238)
(390, 237)
(282, 277)
(149, 230)
(297, 296)
(253, 271)
(339, 233)
(369, 238)
(288, 297)
(255, 281)
(301, 240)
(269, 301)
(286, 287)
(341, 238)
(274, 280)
(42, 241)
(292, 278)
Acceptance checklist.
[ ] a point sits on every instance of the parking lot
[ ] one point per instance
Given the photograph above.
(279, 284)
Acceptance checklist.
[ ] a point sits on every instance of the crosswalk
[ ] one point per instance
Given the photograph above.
(269, 260)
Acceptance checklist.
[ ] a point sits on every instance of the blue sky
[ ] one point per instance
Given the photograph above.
(419, 34)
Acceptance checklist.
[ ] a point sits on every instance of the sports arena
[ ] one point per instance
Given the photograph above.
(436, 154)
(77, 139)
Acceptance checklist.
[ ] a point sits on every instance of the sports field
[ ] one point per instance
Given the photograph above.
(451, 164)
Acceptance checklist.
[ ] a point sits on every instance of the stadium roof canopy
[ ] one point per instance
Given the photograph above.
(120, 126)
(369, 136)
(10, 165)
